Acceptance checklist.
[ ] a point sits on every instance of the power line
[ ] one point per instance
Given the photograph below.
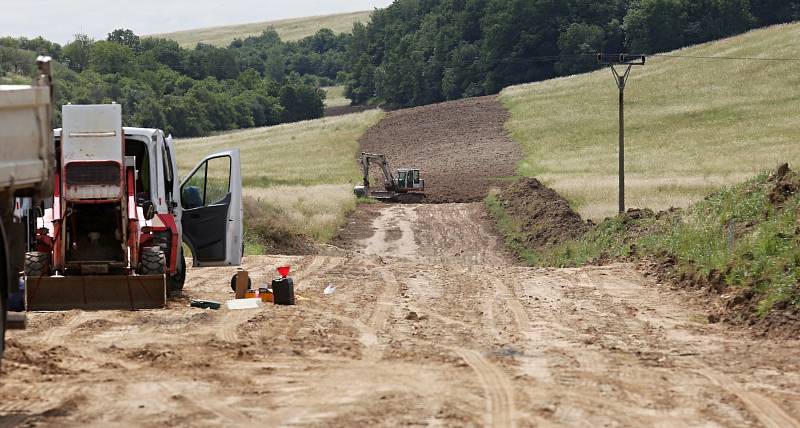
(736, 58)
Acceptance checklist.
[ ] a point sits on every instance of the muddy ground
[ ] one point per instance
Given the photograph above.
(461, 147)
(431, 323)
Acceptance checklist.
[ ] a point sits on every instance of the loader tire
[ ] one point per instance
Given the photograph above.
(152, 262)
(175, 282)
(37, 264)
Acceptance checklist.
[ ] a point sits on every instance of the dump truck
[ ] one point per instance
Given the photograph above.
(111, 234)
(26, 171)
(406, 185)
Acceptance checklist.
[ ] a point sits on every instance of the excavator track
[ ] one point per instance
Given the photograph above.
(403, 198)
(409, 198)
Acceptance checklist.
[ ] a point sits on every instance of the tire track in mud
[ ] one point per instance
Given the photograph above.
(514, 305)
(56, 334)
(769, 413)
(201, 402)
(31, 407)
(766, 411)
(45, 399)
(497, 387)
(380, 315)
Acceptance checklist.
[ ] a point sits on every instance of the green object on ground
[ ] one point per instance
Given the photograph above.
(205, 304)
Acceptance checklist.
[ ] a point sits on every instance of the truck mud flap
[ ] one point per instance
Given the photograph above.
(61, 293)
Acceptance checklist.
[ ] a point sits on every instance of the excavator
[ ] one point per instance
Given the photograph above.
(405, 187)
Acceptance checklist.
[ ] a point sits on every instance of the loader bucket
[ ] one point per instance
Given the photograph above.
(131, 292)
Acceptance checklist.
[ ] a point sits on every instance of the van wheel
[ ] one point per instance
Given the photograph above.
(175, 282)
(37, 264)
(152, 261)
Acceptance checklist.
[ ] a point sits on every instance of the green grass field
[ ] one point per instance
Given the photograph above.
(301, 174)
(693, 125)
(288, 29)
(334, 96)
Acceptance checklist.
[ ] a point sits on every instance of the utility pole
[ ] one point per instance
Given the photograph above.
(621, 79)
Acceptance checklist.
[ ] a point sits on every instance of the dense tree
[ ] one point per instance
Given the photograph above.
(125, 37)
(769, 12)
(190, 92)
(301, 102)
(76, 54)
(109, 57)
(579, 44)
(417, 51)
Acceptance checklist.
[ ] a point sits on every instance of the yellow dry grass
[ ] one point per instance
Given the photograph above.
(303, 171)
(315, 211)
(288, 29)
(692, 125)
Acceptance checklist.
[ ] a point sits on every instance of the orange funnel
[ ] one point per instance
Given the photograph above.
(283, 271)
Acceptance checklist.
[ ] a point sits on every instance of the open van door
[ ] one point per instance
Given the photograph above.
(211, 205)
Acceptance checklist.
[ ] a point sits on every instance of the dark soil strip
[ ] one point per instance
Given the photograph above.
(461, 147)
(343, 110)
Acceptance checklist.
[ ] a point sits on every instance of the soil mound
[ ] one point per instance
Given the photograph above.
(543, 216)
(461, 147)
(785, 185)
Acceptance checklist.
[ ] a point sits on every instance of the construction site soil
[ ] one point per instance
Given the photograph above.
(461, 147)
(430, 323)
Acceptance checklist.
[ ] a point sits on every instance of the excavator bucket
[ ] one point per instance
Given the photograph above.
(131, 292)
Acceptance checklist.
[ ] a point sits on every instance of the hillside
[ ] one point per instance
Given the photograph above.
(298, 178)
(288, 29)
(693, 124)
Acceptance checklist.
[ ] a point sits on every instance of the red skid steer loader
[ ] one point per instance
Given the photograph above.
(111, 238)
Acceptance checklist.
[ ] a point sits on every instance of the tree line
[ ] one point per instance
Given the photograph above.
(412, 52)
(417, 52)
(257, 81)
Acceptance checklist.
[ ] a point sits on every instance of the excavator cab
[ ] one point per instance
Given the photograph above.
(409, 179)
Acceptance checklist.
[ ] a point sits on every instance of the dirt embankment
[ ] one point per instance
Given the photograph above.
(534, 218)
(461, 147)
(544, 217)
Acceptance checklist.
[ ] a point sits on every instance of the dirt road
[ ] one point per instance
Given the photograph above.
(430, 324)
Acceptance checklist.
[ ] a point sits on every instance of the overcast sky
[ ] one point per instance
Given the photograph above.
(58, 20)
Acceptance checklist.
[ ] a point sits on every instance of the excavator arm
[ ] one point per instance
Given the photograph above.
(380, 160)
